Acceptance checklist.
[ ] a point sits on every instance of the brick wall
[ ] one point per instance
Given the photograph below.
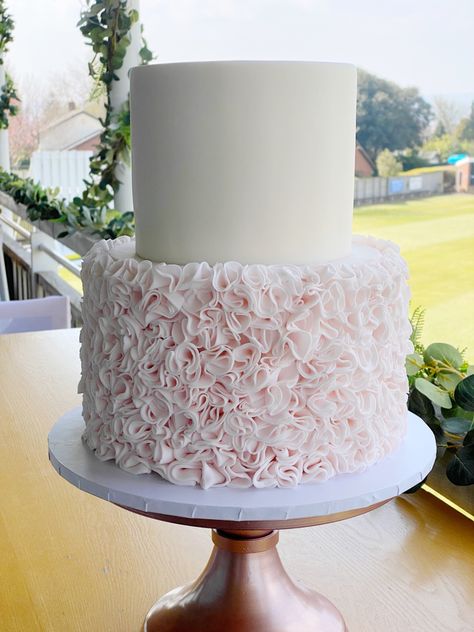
(363, 168)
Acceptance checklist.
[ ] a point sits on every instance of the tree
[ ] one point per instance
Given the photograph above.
(447, 115)
(387, 164)
(446, 145)
(411, 159)
(23, 137)
(388, 116)
(42, 104)
(465, 129)
(439, 130)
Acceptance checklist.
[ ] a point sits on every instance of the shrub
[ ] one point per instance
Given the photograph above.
(387, 164)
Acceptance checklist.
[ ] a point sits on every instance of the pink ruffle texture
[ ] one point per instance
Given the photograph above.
(244, 375)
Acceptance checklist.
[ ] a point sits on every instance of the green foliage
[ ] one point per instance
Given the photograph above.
(43, 204)
(447, 116)
(446, 145)
(113, 148)
(464, 393)
(442, 394)
(449, 138)
(7, 91)
(417, 322)
(388, 116)
(106, 24)
(465, 129)
(387, 164)
(411, 159)
(145, 53)
(440, 130)
(460, 470)
(413, 363)
(7, 106)
(440, 353)
(120, 224)
(6, 30)
(434, 393)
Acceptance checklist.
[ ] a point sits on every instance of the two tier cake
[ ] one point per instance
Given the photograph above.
(245, 338)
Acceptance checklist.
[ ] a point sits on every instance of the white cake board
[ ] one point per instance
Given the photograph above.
(149, 493)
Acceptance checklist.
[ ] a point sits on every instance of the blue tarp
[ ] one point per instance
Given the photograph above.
(452, 160)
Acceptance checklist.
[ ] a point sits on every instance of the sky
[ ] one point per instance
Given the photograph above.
(425, 43)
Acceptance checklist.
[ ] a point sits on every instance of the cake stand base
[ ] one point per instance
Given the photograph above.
(244, 588)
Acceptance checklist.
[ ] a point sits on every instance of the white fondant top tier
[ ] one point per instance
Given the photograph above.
(245, 161)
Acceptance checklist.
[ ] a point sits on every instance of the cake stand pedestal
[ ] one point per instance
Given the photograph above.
(244, 587)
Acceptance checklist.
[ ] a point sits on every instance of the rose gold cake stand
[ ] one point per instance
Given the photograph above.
(244, 587)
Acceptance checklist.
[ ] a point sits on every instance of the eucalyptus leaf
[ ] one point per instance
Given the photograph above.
(448, 380)
(413, 363)
(420, 405)
(436, 394)
(469, 438)
(464, 393)
(456, 411)
(443, 353)
(460, 470)
(457, 425)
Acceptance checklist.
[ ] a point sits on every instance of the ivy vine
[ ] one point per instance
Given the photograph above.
(7, 90)
(106, 24)
(7, 106)
(6, 30)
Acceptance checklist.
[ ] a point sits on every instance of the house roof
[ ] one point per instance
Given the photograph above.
(83, 139)
(366, 155)
(66, 117)
(74, 128)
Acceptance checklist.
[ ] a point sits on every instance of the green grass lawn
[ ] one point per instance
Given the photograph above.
(436, 236)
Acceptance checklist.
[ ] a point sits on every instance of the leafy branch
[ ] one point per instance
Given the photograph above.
(7, 106)
(44, 204)
(7, 91)
(6, 30)
(442, 394)
(107, 24)
(417, 322)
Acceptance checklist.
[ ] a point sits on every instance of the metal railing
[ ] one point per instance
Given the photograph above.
(65, 263)
(32, 261)
(16, 227)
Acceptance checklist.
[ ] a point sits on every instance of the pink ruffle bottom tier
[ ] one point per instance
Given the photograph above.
(244, 375)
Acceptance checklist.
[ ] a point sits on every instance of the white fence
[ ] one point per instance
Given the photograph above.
(378, 189)
(68, 169)
(65, 170)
